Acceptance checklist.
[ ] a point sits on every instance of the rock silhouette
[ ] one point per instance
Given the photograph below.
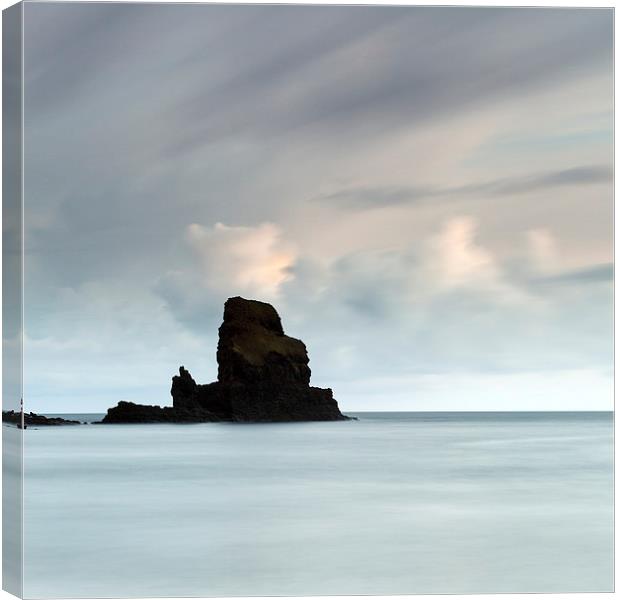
(253, 349)
(128, 412)
(263, 376)
(15, 417)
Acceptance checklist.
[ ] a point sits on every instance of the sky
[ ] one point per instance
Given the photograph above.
(425, 195)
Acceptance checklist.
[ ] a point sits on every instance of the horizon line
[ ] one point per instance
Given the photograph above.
(402, 411)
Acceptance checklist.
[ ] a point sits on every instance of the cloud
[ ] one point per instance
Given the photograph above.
(447, 304)
(595, 274)
(576, 176)
(225, 261)
(329, 67)
(250, 260)
(459, 260)
(544, 253)
(360, 198)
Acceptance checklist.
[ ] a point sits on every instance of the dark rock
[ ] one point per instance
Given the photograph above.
(128, 412)
(271, 403)
(11, 416)
(252, 347)
(183, 386)
(263, 376)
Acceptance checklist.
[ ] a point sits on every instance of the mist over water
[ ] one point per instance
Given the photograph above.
(394, 503)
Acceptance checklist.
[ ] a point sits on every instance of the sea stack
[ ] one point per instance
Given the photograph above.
(263, 376)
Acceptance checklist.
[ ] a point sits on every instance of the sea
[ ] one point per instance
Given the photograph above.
(392, 503)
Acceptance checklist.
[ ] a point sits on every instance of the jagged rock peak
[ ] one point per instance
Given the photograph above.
(252, 347)
(183, 388)
(252, 313)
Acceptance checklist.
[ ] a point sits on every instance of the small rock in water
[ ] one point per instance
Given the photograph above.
(15, 417)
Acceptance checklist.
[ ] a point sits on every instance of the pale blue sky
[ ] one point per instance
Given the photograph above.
(425, 195)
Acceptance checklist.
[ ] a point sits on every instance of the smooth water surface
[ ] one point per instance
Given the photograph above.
(393, 503)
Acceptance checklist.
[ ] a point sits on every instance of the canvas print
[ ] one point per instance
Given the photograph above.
(306, 300)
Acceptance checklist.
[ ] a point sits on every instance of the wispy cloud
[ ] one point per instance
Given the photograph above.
(596, 274)
(358, 198)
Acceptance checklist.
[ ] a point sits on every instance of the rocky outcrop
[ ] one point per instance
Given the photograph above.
(253, 349)
(128, 412)
(14, 417)
(263, 376)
